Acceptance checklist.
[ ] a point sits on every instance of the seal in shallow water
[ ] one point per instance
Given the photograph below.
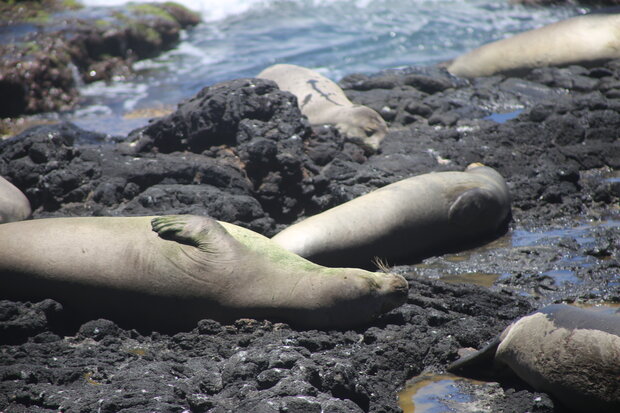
(169, 272)
(411, 217)
(14, 206)
(569, 352)
(324, 102)
(583, 40)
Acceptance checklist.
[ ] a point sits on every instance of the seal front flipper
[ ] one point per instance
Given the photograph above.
(204, 233)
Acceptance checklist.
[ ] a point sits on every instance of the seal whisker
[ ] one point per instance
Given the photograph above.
(381, 264)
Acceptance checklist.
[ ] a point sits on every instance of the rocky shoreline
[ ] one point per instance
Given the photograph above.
(48, 53)
(241, 152)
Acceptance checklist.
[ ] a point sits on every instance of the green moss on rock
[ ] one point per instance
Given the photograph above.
(182, 14)
(151, 10)
(148, 33)
(39, 69)
(33, 11)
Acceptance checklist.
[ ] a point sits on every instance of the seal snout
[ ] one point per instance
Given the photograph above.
(395, 289)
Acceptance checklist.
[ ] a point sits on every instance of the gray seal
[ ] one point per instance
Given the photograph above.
(566, 351)
(169, 272)
(583, 40)
(323, 102)
(412, 217)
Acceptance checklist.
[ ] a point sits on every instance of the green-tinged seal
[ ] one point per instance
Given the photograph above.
(169, 272)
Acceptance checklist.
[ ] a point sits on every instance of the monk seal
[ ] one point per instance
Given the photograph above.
(568, 352)
(169, 272)
(411, 217)
(323, 102)
(587, 39)
(14, 206)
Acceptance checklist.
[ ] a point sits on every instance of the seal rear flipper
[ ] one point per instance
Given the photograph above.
(477, 364)
(204, 233)
(473, 207)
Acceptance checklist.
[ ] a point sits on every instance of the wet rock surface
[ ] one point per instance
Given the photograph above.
(241, 152)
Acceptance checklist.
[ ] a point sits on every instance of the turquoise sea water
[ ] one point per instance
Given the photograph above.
(238, 38)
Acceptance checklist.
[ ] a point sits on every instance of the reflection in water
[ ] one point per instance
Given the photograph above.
(614, 177)
(603, 307)
(562, 276)
(569, 265)
(434, 393)
(581, 234)
(149, 113)
(504, 117)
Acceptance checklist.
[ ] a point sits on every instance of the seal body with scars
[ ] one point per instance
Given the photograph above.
(324, 102)
(586, 39)
(411, 217)
(14, 206)
(169, 272)
(569, 352)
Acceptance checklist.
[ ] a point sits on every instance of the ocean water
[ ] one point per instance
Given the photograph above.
(238, 38)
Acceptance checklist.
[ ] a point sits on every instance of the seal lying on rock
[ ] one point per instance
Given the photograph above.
(14, 206)
(324, 102)
(571, 353)
(411, 217)
(584, 40)
(169, 272)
